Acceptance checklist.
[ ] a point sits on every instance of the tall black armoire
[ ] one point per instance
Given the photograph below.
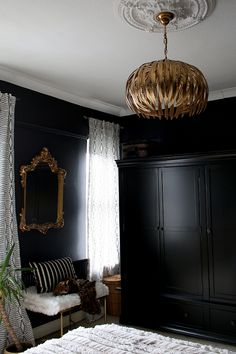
(178, 244)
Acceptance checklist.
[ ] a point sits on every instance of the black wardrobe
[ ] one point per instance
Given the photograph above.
(178, 244)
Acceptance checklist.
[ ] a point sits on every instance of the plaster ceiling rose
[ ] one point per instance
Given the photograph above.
(187, 13)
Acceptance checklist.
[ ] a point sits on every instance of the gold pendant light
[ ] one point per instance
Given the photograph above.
(166, 88)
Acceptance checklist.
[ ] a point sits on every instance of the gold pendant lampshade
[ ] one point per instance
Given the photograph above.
(166, 88)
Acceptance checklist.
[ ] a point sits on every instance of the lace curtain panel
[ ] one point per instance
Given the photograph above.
(8, 224)
(103, 203)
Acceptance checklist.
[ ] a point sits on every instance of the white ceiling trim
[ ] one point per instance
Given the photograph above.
(37, 85)
(26, 81)
(220, 94)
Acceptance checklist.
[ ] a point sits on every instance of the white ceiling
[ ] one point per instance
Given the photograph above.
(83, 52)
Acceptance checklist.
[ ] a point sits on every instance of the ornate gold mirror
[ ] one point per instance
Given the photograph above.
(42, 183)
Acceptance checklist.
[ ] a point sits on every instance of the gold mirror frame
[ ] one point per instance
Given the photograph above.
(46, 158)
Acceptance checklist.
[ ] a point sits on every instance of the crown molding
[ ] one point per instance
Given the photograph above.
(221, 94)
(37, 85)
(26, 81)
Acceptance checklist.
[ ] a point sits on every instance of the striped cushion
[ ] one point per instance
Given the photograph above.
(49, 274)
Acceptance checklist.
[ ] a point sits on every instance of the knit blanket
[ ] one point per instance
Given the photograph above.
(86, 291)
(115, 339)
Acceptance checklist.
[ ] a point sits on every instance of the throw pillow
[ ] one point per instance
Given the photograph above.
(49, 274)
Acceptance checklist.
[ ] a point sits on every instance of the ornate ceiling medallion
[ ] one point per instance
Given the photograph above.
(140, 13)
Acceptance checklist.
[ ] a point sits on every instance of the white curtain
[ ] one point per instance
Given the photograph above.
(103, 203)
(8, 224)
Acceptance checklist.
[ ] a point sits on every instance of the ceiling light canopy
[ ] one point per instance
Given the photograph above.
(166, 88)
(140, 14)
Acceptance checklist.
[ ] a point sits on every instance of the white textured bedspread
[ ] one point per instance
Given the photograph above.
(115, 339)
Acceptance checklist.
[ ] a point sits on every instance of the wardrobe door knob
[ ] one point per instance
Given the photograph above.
(208, 231)
(186, 315)
(233, 323)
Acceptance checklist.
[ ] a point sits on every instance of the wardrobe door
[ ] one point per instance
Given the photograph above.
(184, 262)
(139, 216)
(221, 207)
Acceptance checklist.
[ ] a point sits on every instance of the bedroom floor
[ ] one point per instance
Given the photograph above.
(113, 319)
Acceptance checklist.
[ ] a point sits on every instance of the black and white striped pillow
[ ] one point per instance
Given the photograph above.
(49, 274)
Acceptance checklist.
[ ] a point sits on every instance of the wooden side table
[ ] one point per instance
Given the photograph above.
(114, 297)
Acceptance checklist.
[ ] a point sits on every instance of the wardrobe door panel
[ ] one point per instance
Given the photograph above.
(221, 196)
(182, 262)
(140, 203)
(180, 186)
(182, 245)
(139, 215)
(139, 280)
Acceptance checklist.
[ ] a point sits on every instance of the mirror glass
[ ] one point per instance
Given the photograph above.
(42, 182)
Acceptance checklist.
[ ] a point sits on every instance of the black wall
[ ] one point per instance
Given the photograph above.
(41, 120)
(213, 130)
(60, 126)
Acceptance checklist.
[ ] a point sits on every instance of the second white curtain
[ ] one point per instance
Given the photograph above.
(103, 200)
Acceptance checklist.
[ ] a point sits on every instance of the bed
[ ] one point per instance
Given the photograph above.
(116, 339)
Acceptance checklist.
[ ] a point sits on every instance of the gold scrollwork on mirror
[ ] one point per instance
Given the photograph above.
(42, 183)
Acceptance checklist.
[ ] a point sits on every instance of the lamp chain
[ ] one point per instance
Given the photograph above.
(165, 42)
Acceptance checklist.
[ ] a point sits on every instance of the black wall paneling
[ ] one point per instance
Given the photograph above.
(42, 120)
(45, 121)
(212, 130)
(70, 154)
(36, 108)
(177, 217)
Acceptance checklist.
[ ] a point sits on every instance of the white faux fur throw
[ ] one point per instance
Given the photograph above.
(115, 339)
(50, 305)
